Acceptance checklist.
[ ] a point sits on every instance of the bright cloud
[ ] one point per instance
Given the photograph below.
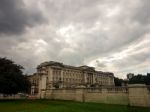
(109, 35)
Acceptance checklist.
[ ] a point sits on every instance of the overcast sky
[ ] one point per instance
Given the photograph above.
(110, 35)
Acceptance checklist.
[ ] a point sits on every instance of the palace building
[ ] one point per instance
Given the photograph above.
(57, 75)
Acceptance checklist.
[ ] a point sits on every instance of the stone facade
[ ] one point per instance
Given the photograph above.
(34, 80)
(57, 75)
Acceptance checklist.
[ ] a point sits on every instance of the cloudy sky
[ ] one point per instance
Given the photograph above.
(111, 35)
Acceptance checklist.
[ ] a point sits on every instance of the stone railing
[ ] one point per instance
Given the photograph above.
(93, 90)
(117, 89)
(8, 97)
(107, 89)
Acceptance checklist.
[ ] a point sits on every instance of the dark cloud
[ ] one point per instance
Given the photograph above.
(15, 17)
(99, 64)
(142, 14)
(100, 33)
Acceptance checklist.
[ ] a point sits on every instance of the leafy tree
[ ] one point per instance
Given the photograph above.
(12, 79)
(140, 79)
(118, 82)
(147, 79)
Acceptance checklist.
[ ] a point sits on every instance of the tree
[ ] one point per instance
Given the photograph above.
(147, 79)
(118, 82)
(12, 79)
(140, 79)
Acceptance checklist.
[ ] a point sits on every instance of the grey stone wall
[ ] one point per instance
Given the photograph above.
(139, 95)
(134, 95)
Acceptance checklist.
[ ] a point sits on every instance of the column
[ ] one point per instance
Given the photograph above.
(62, 78)
(85, 77)
(39, 91)
(94, 78)
(50, 77)
(50, 74)
(43, 81)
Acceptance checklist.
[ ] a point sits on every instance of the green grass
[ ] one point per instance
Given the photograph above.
(63, 106)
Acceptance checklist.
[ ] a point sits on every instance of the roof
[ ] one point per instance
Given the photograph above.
(83, 68)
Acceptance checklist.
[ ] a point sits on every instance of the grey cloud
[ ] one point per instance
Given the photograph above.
(100, 64)
(15, 17)
(136, 63)
(99, 42)
(134, 60)
(69, 11)
(142, 14)
(96, 35)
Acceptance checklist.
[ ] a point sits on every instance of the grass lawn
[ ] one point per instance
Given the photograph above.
(63, 106)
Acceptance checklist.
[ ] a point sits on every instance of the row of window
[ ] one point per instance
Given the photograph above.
(72, 71)
(72, 80)
(67, 80)
(57, 73)
(88, 78)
